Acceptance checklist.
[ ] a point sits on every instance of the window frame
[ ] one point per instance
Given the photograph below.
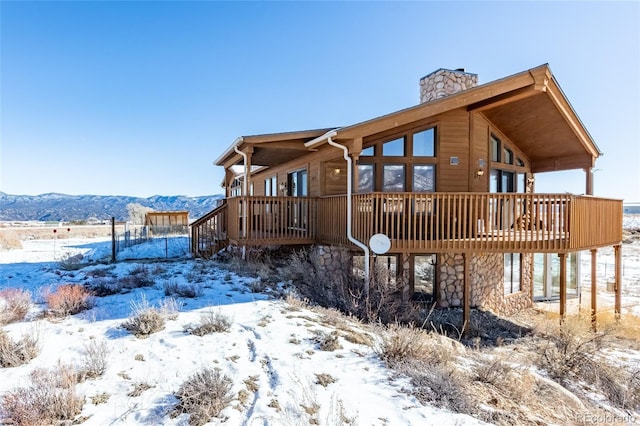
(512, 286)
(378, 160)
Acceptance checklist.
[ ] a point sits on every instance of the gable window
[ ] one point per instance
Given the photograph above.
(424, 143)
(495, 148)
(394, 148)
(507, 171)
(406, 162)
(511, 273)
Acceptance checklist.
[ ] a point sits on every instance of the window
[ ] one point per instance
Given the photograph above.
(367, 152)
(271, 186)
(495, 148)
(393, 179)
(424, 277)
(366, 179)
(407, 162)
(394, 148)
(508, 156)
(297, 183)
(511, 273)
(424, 143)
(424, 178)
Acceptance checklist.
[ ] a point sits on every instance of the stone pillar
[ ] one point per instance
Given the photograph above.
(405, 276)
(444, 82)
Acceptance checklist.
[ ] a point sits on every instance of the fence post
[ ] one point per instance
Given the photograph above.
(113, 239)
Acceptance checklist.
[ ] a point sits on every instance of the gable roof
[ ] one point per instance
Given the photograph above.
(517, 105)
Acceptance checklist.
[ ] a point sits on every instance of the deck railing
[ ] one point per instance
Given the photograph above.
(209, 233)
(432, 222)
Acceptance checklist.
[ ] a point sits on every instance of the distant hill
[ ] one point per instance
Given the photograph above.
(62, 207)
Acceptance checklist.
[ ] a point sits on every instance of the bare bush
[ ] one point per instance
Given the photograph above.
(204, 395)
(147, 319)
(211, 321)
(401, 343)
(343, 290)
(16, 353)
(571, 352)
(14, 305)
(95, 359)
(172, 288)
(138, 277)
(69, 299)
(49, 398)
(328, 341)
(71, 262)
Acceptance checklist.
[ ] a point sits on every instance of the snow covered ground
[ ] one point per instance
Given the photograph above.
(269, 344)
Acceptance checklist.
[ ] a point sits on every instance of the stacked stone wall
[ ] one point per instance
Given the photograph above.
(487, 283)
(445, 82)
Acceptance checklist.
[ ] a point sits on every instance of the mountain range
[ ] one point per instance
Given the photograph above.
(62, 207)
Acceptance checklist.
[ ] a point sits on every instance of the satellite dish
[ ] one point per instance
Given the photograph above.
(379, 243)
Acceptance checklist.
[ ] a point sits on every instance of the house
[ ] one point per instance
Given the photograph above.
(449, 184)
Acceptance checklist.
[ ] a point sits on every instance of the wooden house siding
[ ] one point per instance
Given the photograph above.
(453, 145)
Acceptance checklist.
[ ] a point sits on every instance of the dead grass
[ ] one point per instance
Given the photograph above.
(324, 379)
(211, 321)
(16, 353)
(204, 395)
(69, 299)
(49, 398)
(147, 319)
(14, 305)
(327, 341)
(10, 240)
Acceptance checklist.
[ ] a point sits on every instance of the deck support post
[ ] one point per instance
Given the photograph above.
(563, 286)
(588, 181)
(466, 295)
(618, 280)
(594, 290)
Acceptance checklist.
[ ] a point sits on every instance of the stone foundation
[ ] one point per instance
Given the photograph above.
(487, 283)
(334, 262)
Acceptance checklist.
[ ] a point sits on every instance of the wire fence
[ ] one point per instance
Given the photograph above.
(144, 242)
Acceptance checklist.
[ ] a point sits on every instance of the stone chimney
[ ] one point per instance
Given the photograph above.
(443, 82)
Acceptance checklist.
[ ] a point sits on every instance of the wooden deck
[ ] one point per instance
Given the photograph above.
(419, 222)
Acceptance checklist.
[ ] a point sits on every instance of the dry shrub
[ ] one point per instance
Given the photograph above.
(172, 288)
(204, 395)
(14, 305)
(327, 341)
(627, 326)
(138, 277)
(10, 240)
(49, 398)
(69, 299)
(342, 290)
(401, 343)
(324, 379)
(148, 319)
(16, 353)
(211, 321)
(442, 385)
(571, 353)
(71, 262)
(95, 359)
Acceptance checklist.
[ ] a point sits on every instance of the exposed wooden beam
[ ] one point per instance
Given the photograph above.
(562, 163)
(296, 146)
(503, 99)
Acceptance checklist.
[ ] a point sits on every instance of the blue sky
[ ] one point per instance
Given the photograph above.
(139, 98)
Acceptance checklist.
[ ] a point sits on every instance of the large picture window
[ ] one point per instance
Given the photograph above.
(405, 162)
(424, 178)
(508, 172)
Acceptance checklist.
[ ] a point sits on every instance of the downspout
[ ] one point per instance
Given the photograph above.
(244, 192)
(364, 247)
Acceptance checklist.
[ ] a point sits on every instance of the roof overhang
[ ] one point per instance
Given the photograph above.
(529, 108)
(269, 150)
